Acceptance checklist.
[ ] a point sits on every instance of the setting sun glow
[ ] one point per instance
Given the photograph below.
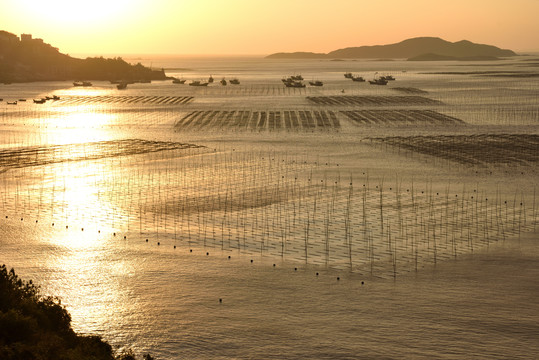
(262, 27)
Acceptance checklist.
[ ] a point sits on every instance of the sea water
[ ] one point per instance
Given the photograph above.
(215, 241)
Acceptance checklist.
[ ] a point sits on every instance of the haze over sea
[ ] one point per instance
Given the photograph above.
(262, 221)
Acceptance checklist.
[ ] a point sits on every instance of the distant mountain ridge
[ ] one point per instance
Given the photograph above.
(408, 49)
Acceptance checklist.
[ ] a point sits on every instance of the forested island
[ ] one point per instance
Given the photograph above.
(416, 49)
(26, 59)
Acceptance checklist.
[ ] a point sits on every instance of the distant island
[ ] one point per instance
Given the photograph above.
(415, 49)
(26, 59)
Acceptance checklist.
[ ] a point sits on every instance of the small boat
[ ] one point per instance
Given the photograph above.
(223, 82)
(348, 75)
(178, 81)
(55, 97)
(40, 101)
(358, 78)
(122, 85)
(387, 77)
(82, 83)
(12, 103)
(22, 100)
(378, 81)
(210, 79)
(197, 83)
(316, 83)
(295, 84)
(297, 77)
(234, 81)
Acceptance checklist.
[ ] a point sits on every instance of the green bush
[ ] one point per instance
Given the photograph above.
(39, 327)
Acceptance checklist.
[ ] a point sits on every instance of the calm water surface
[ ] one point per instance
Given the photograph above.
(141, 230)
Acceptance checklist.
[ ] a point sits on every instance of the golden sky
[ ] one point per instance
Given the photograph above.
(265, 26)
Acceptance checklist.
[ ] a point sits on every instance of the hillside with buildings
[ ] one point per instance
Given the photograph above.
(25, 59)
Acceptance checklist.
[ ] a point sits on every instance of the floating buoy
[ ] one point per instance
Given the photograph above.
(207, 253)
(158, 243)
(229, 256)
(220, 300)
(146, 240)
(251, 260)
(363, 283)
(295, 269)
(338, 278)
(174, 246)
(316, 274)
(190, 250)
(81, 229)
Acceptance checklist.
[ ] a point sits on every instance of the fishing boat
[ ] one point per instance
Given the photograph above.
(234, 81)
(122, 85)
(40, 101)
(316, 83)
(210, 79)
(297, 77)
(388, 77)
(82, 83)
(348, 75)
(379, 81)
(12, 102)
(197, 83)
(55, 97)
(294, 84)
(358, 78)
(178, 81)
(223, 82)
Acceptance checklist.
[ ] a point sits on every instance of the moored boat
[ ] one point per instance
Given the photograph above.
(178, 81)
(234, 81)
(223, 82)
(316, 83)
(122, 85)
(294, 84)
(358, 78)
(82, 83)
(197, 83)
(348, 75)
(378, 81)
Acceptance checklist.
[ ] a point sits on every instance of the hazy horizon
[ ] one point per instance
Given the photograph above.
(210, 27)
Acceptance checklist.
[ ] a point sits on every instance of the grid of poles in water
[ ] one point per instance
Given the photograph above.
(276, 205)
(259, 120)
(155, 100)
(479, 149)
